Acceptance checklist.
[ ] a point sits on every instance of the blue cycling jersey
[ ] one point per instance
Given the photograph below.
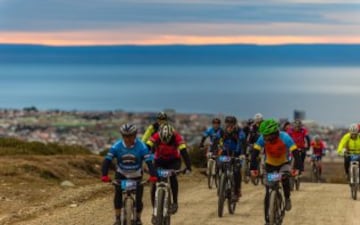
(213, 134)
(129, 160)
(233, 142)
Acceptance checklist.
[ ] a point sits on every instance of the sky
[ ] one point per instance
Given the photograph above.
(158, 22)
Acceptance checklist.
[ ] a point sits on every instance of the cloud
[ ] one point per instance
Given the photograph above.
(56, 15)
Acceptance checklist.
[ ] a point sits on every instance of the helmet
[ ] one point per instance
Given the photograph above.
(161, 116)
(258, 117)
(269, 126)
(216, 120)
(317, 138)
(354, 129)
(128, 129)
(231, 120)
(297, 123)
(166, 132)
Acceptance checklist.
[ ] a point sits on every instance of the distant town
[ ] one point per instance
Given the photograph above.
(97, 131)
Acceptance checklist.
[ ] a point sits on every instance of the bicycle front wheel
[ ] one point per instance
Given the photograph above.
(221, 195)
(210, 174)
(355, 185)
(160, 208)
(129, 211)
(275, 211)
(231, 203)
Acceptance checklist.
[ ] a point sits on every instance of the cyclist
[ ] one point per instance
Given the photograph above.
(286, 126)
(232, 143)
(168, 146)
(214, 133)
(349, 144)
(302, 140)
(318, 148)
(277, 146)
(254, 129)
(161, 118)
(130, 154)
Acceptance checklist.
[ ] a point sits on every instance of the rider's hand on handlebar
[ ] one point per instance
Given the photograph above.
(254, 173)
(106, 179)
(294, 172)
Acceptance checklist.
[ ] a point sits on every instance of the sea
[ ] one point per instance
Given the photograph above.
(329, 95)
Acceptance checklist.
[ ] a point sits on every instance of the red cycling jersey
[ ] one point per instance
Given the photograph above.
(318, 147)
(169, 150)
(298, 136)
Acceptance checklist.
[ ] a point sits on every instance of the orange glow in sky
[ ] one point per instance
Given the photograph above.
(118, 38)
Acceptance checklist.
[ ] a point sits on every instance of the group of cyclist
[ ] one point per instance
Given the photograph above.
(283, 147)
(160, 147)
(279, 145)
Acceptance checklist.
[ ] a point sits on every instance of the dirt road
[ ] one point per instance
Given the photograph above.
(313, 204)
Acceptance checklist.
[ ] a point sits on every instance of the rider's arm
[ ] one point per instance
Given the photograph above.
(107, 161)
(148, 133)
(147, 157)
(186, 158)
(258, 146)
(307, 139)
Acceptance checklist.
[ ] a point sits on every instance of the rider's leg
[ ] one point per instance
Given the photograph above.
(303, 156)
(139, 202)
(118, 198)
(346, 165)
(237, 179)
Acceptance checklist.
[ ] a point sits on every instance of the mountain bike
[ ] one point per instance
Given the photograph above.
(163, 196)
(128, 211)
(354, 175)
(211, 170)
(294, 180)
(226, 188)
(260, 168)
(276, 210)
(246, 167)
(315, 170)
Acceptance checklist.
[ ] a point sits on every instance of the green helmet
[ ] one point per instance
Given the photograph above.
(269, 126)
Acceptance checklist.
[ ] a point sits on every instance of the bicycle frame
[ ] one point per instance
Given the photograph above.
(275, 190)
(128, 187)
(226, 184)
(163, 184)
(211, 169)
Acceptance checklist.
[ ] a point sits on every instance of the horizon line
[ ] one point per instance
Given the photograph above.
(176, 44)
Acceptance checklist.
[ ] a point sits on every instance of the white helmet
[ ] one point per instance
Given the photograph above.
(354, 128)
(258, 117)
(128, 129)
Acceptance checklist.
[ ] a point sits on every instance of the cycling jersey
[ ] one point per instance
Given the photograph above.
(299, 137)
(353, 146)
(318, 147)
(152, 129)
(213, 134)
(129, 160)
(277, 152)
(232, 142)
(169, 150)
(253, 134)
